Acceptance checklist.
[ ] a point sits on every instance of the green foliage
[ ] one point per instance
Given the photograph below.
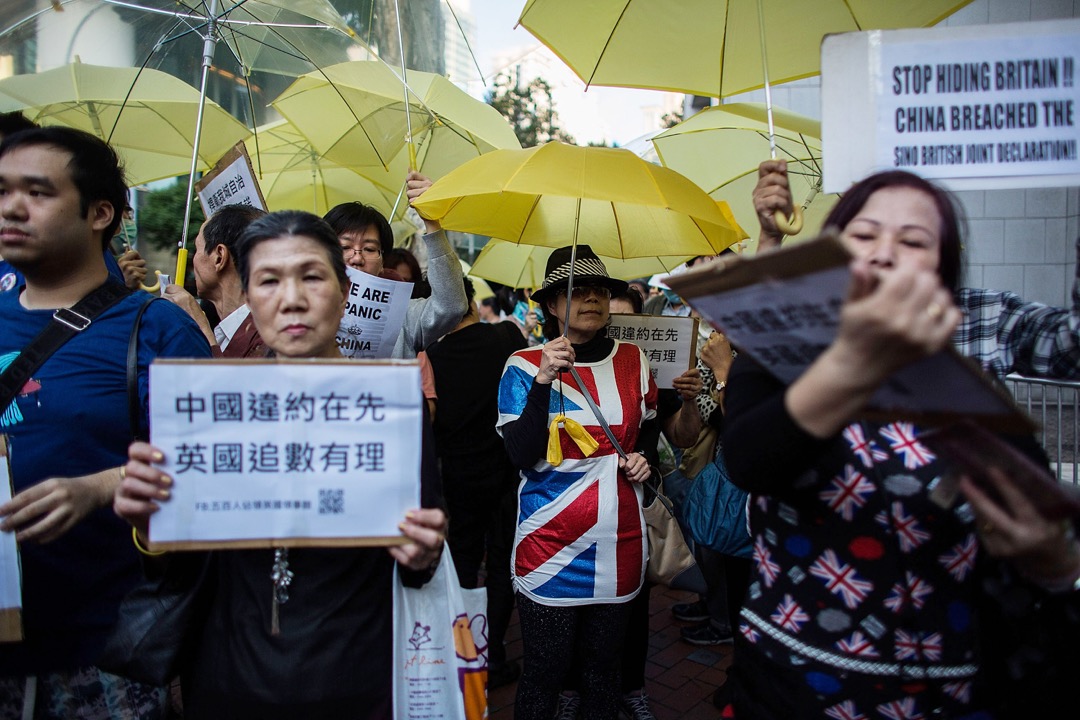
(671, 119)
(161, 217)
(529, 109)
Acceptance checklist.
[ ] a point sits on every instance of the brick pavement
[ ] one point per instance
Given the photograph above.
(680, 678)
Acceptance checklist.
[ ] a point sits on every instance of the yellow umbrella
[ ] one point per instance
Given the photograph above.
(708, 47)
(354, 114)
(148, 116)
(720, 148)
(293, 175)
(711, 47)
(558, 194)
(481, 289)
(522, 266)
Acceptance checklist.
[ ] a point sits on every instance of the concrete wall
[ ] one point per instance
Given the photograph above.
(1019, 240)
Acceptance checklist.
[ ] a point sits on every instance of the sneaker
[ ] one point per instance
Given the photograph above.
(635, 707)
(504, 674)
(690, 612)
(569, 706)
(706, 634)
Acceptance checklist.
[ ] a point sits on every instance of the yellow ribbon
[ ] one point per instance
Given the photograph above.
(585, 442)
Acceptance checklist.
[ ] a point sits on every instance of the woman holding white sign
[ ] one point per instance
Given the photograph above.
(304, 632)
(876, 593)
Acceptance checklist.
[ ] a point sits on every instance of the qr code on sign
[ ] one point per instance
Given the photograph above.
(331, 502)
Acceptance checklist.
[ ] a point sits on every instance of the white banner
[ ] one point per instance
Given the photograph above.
(992, 106)
(373, 316)
(669, 343)
(285, 450)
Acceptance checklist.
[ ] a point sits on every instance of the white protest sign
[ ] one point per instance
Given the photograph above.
(10, 573)
(669, 343)
(374, 314)
(991, 106)
(315, 452)
(230, 182)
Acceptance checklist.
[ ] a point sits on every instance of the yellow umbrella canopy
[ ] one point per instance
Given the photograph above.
(148, 116)
(522, 266)
(708, 47)
(354, 114)
(293, 175)
(557, 194)
(720, 148)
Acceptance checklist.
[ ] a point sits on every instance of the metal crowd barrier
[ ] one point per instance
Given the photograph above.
(1054, 405)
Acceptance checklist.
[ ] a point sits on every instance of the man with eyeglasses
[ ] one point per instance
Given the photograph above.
(366, 238)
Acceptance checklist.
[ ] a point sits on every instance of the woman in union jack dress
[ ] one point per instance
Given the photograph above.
(579, 549)
(875, 596)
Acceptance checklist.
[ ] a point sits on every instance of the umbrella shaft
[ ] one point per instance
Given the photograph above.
(768, 88)
(208, 58)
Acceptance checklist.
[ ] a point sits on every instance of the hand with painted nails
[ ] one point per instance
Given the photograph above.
(142, 487)
(426, 529)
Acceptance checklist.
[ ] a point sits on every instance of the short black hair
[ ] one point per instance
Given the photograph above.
(95, 167)
(283, 224)
(226, 226)
(357, 217)
(950, 264)
(632, 296)
(13, 122)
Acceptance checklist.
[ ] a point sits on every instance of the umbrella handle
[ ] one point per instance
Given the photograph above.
(789, 226)
(181, 266)
(156, 286)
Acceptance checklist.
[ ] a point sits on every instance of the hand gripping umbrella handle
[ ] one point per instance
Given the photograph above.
(789, 226)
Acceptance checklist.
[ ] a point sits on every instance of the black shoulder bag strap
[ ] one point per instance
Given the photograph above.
(134, 404)
(66, 323)
(615, 443)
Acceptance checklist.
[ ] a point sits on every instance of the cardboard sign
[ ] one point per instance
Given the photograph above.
(373, 317)
(982, 107)
(669, 343)
(230, 182)
(10, 568)
(269, 453)
(783, 309)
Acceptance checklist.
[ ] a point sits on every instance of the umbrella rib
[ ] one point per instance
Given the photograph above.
(466, 39)
(607, 42)
(528, 218)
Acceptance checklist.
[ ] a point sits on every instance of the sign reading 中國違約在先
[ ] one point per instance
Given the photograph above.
(297, 452)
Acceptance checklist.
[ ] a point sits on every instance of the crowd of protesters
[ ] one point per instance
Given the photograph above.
(865, 595)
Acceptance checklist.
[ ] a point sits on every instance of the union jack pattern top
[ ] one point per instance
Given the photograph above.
(580, 533)
(858, 572)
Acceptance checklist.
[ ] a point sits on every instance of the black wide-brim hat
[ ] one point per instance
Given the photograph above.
(588, 270)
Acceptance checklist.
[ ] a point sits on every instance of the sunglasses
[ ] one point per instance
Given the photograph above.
(582, 291)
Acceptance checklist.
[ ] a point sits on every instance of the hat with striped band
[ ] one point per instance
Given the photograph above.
(588, 270)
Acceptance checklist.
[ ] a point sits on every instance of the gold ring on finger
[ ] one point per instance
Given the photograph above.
(934, 310)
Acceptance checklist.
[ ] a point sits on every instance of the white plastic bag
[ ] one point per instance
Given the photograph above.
(440, 648)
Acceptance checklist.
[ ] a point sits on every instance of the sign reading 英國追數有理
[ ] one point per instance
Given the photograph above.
(982, 107)
(374, 314)
(297, 452)
(669, 343)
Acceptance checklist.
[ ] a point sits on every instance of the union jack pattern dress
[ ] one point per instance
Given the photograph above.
(580, 532)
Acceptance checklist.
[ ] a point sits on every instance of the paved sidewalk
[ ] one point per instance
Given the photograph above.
(679, 678)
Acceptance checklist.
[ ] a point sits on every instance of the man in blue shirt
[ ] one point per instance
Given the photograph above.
(62, 192)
